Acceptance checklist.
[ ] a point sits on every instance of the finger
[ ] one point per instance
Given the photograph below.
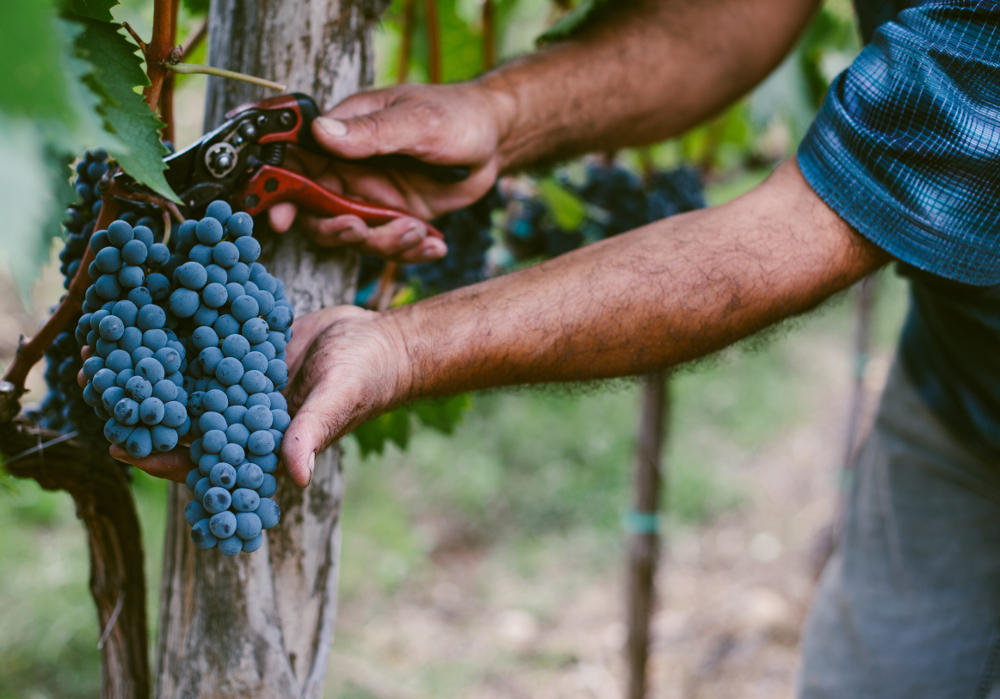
(173, 465)
(429, 250)
(309, 433)
(281, 216)
(390, 130)
(362, 103)
(334, 232)
(394, 238)
(402, 239)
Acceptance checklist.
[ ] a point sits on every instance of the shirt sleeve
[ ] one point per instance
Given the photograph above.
(906, 147)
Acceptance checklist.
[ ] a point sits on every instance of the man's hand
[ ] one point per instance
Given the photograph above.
(650, 70)
(442, 124)
(348, 365)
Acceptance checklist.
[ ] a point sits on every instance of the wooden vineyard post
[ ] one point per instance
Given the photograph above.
(260, 626)
(642, 524)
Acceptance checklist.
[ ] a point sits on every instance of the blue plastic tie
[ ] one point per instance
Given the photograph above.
(642, 522)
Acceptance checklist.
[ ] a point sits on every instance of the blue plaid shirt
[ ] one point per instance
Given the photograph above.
(906, 148)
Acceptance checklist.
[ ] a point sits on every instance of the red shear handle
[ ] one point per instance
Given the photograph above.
(271, 185)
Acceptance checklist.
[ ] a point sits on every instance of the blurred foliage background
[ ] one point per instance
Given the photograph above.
(532, 486)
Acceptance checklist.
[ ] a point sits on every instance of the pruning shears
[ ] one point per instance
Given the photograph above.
(241, 162)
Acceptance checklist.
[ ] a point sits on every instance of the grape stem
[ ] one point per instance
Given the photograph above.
(196, 68)
(135, 36)
(158, 51)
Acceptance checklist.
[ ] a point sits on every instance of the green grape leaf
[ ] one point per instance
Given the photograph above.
(443, 414)
(567, 209)
(573, 21)
(91, 9)
(117, 70)
(33, 83)
(89, 129)
(393, 426)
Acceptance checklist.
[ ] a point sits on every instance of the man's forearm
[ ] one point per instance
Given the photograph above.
(648, 71)
(664, 294)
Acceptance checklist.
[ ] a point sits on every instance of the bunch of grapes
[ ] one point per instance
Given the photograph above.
(619, 193)
(240, 322)
(134, 379)
(467, 233)
(674, 192)
(617, 201)
(63, 408)
(532, 232)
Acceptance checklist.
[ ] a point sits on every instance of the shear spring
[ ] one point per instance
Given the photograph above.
(273, 153)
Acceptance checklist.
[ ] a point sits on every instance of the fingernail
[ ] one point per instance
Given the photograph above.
(331, 127)
(312, 465)
(350, 235)
(414, 235)
(432, 252)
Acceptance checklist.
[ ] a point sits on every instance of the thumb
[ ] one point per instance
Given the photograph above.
(384, 131)
(308, 434)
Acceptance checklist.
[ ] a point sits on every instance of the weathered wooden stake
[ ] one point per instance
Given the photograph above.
(260, 626)
(642, 523)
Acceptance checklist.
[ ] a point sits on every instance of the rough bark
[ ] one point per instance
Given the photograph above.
(644, 541)
(261, 625)
(105, 506)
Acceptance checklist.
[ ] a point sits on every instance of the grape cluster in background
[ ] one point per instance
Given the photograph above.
(516, 216)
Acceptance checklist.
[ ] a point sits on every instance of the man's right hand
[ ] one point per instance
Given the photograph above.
(443, 124)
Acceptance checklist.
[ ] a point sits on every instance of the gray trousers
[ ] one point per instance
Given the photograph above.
(909, 605)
